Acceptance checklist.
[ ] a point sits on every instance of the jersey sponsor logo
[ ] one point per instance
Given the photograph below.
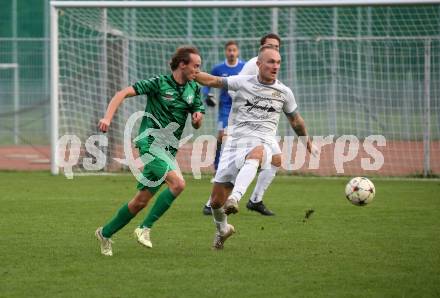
(258, 104)
(168, 96)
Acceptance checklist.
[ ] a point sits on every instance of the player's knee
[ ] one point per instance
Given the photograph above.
(140, 201)
(177, 186)
(256, 153)
(138, 205)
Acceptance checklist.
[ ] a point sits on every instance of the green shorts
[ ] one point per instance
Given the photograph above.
(155, 170)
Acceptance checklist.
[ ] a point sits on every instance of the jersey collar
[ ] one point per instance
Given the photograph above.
(231, 65)
(176, 83)
(258, 78)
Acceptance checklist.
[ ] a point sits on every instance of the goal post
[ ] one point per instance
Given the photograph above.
(357, 68)
(54, 86)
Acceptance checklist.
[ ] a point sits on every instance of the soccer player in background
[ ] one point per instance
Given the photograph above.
(232, 65)
(258, 103)
(171, 98)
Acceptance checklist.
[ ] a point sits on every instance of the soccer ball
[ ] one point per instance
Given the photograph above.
(360, 191)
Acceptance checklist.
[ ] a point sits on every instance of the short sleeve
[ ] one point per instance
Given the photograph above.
(147, 87)
(233, 83)
(290, 106)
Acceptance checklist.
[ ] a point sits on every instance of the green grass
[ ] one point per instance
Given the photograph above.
(390, 248)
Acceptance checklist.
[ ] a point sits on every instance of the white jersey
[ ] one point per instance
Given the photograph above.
(256, 107)
(250, 68)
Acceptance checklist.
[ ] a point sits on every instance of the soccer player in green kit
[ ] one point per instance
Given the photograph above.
(170, 98)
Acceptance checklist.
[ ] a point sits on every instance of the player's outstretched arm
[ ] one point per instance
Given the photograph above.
(299, 126)
(116, 101)
(209, 80)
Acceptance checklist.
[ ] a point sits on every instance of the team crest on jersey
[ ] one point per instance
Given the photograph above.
(276, 93)
(190, 98)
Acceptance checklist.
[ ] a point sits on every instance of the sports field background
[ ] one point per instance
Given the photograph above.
(390, 248)
(369, 62)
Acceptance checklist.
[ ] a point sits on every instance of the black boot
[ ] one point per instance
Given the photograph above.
(259, 207)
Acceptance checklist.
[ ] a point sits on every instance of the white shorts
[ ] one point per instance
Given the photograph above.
(234, 154)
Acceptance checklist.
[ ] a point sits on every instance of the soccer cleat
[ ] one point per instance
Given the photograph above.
(143, 236)
(207, 210)
(231, 206)
(220, 238)
(106, 243)
(259, 207)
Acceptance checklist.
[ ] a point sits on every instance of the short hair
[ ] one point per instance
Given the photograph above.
(271, 36)
(265, 47)
(231, 42)
(182, 54)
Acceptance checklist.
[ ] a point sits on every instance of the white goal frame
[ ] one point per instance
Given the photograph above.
(54, 62)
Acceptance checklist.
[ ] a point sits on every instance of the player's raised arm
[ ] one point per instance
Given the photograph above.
(116, 101)
(209, 80)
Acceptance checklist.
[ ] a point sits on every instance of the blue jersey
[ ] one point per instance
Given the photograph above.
(224, 70)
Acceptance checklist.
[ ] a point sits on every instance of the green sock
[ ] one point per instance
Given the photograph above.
(121, 218)
(163, 202)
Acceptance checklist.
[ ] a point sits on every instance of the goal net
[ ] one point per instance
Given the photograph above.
(357, 72)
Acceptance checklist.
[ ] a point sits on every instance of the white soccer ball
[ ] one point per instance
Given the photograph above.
(360, 191)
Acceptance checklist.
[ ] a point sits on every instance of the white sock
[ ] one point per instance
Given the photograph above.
(244, 178)
(208, 203)
(265, 178)
(220, 219)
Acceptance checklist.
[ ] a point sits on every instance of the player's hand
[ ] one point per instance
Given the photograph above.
(196, 119)
(104, 124)
(210, 100)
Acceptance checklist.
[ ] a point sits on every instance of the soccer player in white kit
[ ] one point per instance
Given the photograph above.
(253, 121)
(266, 175)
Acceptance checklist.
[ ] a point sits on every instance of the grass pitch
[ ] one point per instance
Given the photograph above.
(390, 248)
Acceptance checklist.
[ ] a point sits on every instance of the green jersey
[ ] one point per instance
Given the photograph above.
(168, 106)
